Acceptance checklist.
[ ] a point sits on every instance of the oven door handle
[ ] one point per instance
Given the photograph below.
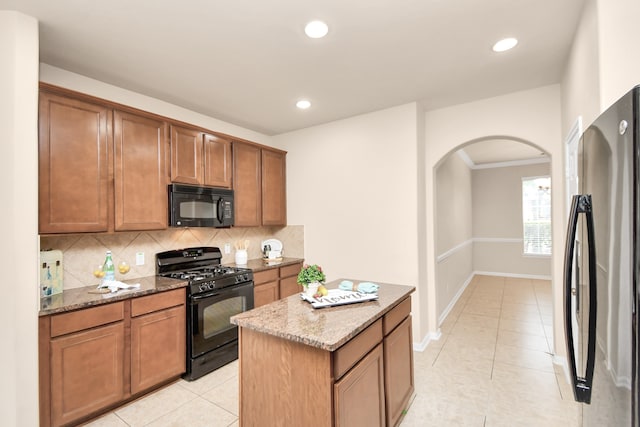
(205, 296)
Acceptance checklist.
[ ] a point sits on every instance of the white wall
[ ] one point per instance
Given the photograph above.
(353, 184)
(453, 233)
(497, 222)
(532, 116)
(19, 224)
(619, 56)
(580, 82)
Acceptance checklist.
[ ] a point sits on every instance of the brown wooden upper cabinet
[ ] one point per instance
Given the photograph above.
(100, 169)
(259, 184)
(200, 158)
(140, 174)
(74, 146)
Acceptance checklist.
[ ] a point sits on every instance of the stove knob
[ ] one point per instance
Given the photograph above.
(212, 286)
(203, 288)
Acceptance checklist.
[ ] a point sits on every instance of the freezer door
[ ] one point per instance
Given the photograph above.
(604, 300)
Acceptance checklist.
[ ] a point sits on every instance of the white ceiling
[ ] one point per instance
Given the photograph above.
(248, 61)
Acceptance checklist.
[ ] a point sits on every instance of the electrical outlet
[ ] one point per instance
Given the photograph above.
(227, 248)
(139, 258)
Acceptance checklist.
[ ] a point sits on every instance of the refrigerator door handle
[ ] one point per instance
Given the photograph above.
(581, 386)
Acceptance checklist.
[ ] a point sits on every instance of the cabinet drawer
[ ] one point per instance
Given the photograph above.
(79, 320)
(396, 315)
(349, 354)
(155, 302)
(290, 270)
(265, 276)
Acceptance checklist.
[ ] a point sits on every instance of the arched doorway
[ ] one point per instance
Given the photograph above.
(478, 217)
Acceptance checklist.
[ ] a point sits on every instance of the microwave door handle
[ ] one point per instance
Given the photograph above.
(220, 210)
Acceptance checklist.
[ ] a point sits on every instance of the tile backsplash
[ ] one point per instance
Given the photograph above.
(83, 252)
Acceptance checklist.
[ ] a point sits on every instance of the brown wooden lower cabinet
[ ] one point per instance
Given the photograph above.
(87, 372)
(359, 395)
(398, 373)
(157, 348)
(366, 382)
(94, 359)
(275, 283)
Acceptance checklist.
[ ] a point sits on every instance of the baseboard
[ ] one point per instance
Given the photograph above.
(562, 361)
(422, 345)
(515, 275)
(455, 299)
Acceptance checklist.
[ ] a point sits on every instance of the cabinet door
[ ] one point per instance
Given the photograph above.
(158, 342)
(74, 147)
(398, 372)
(289, 286)
(274, 191)
(217, 161)
(359, 395)
(265, 293)
(140, 176)
(87, 372)
(247, 184)
(186, 155)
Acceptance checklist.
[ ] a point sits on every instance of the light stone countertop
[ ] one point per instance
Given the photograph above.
(77, 298)
(327, 328)
(260, 265)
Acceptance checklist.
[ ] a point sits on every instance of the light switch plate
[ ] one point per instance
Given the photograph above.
(139, 258)
(227, 248)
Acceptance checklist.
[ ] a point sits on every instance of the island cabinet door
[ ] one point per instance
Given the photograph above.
(398, 375)
(359, 395)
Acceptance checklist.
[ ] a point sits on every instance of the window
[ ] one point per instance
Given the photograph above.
(536, 215)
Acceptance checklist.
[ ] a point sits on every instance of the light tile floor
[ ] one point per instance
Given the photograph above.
(491, 367)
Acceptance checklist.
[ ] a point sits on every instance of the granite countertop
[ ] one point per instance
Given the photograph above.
(260, 264)
(326, 328)
(77, 298)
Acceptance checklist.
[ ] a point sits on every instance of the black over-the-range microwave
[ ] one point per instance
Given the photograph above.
(196, 206)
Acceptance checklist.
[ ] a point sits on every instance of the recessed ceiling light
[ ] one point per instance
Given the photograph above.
(505, 44)
(303, 104)
(316, 29)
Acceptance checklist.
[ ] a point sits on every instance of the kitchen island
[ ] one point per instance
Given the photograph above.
(349, 365)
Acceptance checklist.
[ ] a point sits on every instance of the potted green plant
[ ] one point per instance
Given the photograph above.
(310, 278)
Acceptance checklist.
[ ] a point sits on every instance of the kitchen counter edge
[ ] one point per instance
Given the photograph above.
(328, 328)
(79, 298)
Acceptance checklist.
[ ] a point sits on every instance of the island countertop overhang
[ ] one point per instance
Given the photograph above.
(326, 328)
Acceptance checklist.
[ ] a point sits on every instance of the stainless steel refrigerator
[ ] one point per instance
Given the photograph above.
(602, 268)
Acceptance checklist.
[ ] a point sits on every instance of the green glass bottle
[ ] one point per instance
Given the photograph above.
(109, 268)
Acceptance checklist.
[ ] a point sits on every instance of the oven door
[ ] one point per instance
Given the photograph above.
(210, 327)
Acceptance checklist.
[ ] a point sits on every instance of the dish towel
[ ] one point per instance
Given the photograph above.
(115, 286)
(364, 287)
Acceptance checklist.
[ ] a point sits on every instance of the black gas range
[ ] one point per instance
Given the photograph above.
(215, 293)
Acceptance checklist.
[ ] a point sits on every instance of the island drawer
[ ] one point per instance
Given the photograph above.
(349, 354)
(66, 323)
(265, 276)
(155, 302)
(396, 315)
